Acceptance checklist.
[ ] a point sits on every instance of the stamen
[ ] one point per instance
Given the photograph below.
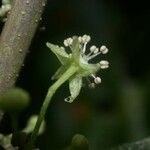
(104, 64)
(84, 48)
(68, 42)
(93, 76)
(94, 49)
(80, 39)
(86, 38)
(92, 56)
(104, 49)
(97, 80)
(89, 54)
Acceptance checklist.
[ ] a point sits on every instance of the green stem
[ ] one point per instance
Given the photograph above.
(70, 71)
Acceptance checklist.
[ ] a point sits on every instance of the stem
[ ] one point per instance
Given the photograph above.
(16, 37)
(70, 71)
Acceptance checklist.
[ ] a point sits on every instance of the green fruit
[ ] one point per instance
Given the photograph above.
(15, 99)
(79, 142)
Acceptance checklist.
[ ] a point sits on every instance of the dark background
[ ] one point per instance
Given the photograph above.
(115, 112)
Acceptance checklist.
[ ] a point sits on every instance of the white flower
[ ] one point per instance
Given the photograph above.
(81, 59)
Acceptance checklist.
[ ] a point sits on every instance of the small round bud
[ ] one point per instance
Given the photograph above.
(79, 142)
(97, 80)
(14, 100)
(104, 49)
(104, 64)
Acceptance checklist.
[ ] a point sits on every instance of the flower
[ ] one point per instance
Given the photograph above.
(81, 59)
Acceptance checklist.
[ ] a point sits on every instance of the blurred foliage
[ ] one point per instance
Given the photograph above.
(14, 100)
(139, 145)
(113, 113)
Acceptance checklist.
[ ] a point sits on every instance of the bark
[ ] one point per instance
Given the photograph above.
(16, 37)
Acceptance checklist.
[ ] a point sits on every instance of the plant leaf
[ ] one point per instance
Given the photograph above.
(59, 52)
(75, 85)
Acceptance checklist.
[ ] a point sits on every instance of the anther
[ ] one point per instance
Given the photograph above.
(86, 38)
(104, 49)
(104, 64)
(68, 42)
(92, 48)
(80, 39)
(97, 80)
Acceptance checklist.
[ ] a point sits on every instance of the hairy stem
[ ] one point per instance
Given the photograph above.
(48, 97)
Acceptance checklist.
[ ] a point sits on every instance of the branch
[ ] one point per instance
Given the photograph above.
(16, 38)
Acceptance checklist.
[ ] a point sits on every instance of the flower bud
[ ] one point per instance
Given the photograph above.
(15, 99)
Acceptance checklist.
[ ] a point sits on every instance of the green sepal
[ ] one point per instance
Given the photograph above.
(59, 52)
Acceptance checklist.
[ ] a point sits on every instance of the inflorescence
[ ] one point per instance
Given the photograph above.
(80, 59)
(94, 51)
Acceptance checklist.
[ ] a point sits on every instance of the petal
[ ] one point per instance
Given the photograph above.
(76, 48)
(75, 85)
(59, 72)
(59, 52)
(88, 69)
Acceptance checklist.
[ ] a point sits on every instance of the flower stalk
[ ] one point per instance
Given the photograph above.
(70, 71)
